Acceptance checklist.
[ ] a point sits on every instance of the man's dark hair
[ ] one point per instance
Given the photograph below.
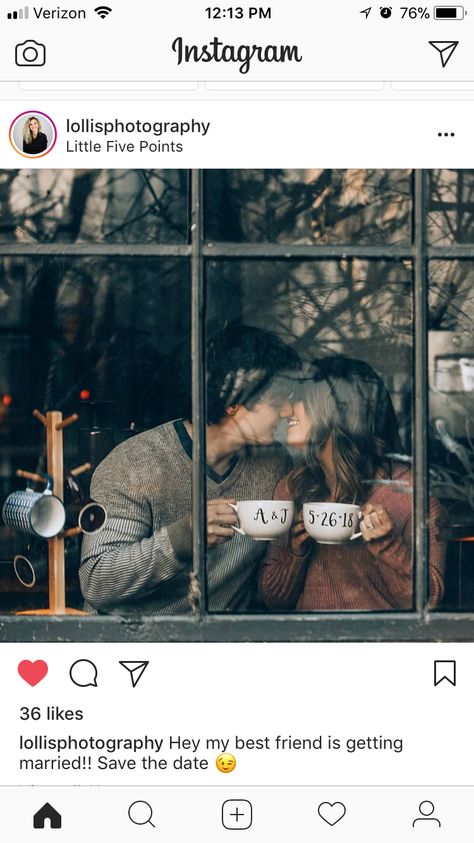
(245, 364)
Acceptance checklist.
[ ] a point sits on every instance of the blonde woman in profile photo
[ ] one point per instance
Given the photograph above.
(34, 140)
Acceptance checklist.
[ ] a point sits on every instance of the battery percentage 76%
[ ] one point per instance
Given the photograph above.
(414, 12)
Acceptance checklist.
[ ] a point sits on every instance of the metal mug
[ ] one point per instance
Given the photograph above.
(40, 514)
(92, 517)
(82, 511)
(32, 567)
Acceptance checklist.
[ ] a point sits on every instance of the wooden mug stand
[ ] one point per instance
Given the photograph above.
(54, 424)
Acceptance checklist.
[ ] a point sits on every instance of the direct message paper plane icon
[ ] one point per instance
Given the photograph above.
(445, 49)
(136, 670)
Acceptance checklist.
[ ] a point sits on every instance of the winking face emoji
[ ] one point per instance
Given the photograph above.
(225, 762)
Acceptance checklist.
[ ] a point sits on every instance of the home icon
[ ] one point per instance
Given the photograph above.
(47, 812)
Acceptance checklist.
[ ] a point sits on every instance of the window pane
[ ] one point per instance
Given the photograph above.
(451, 213)
(346, 425)
(109, 339)
(112, 206)
(309, 206)
(451, 368)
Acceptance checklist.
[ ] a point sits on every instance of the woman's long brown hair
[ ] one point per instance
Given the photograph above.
(348, 403)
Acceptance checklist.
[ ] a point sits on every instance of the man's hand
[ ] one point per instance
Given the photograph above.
(219, 516)
(376, 522)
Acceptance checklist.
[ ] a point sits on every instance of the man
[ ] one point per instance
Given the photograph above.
(141, 561)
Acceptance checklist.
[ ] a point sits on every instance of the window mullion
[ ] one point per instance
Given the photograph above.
(420, 445)
(198, 587)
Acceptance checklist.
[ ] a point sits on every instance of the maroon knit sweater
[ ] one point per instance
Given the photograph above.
(358, 575)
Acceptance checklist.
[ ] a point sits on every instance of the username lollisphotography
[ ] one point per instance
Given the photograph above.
(307, 450)
(90, 135)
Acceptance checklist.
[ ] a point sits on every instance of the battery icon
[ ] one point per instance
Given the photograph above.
(449, 12)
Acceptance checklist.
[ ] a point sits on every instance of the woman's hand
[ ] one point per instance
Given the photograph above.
(298, 537)
(376, 522)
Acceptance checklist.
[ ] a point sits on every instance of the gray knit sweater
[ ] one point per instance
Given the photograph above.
(140, 562)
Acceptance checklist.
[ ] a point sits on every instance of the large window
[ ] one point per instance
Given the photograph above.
(111, 283)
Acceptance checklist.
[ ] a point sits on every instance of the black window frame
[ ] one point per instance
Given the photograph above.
(421, 624)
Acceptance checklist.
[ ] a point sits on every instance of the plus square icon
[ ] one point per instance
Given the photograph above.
(237, 814)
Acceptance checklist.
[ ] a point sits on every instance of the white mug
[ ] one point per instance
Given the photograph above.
(35, 513)
(263, 520)
(331, 523)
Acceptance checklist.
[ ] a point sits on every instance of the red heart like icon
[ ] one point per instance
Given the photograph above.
(32, 672)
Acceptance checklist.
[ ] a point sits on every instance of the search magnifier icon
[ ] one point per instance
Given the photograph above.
(140, 813)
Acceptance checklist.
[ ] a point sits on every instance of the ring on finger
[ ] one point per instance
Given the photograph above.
(370, 526)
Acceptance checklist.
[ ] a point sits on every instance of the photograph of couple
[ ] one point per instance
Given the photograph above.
(334, 471)
(340, 417)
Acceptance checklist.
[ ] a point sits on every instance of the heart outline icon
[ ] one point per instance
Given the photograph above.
(32, 672)
(334, 811)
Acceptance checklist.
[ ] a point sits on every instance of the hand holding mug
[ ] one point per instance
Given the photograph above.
(220, 518)
(376, 522)
(299, 537)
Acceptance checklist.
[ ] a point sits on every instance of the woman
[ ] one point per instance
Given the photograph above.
(34, 140)
(346, 424)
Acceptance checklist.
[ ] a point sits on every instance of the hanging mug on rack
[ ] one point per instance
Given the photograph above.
(32, 566)
(40, 514)
(82, 511)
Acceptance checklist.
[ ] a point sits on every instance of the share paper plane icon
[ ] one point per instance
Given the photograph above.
(366, 12)
(445, 49)
(136, 670)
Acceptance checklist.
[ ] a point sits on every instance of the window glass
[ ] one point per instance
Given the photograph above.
(335, 440)
(451, 406)
(94, 206)
(451, 211)
(365, 207)
(108, 338)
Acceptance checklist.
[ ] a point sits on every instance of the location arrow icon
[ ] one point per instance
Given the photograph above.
(136, 670)
(366, 12)
(445, 49)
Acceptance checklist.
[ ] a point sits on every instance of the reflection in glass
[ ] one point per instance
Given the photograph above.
(309, 206)
(109, 339)
(451, 209)
(335, 313)
(451, 400)
(114, 206)
(251, 374)
(351, 547)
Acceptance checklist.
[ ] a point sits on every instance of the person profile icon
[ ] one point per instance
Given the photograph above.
(426, 808)
(33, 134)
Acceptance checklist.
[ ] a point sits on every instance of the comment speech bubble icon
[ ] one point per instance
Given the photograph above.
(83, 673)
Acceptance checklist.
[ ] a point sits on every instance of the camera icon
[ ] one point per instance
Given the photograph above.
(30, 54)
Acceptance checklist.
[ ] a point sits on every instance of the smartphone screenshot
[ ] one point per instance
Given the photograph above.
(236, 421)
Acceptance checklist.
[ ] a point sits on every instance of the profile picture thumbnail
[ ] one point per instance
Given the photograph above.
(33, 134)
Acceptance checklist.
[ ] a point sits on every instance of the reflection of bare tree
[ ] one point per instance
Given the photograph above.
(451, 321)
(96, 313)
(451, 296)
(113, 327)
(95, 205)
(359, 307)
(355, 307)
(451, 217)
(310, 206)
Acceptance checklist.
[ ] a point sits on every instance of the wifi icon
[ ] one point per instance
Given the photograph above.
(103, 11)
